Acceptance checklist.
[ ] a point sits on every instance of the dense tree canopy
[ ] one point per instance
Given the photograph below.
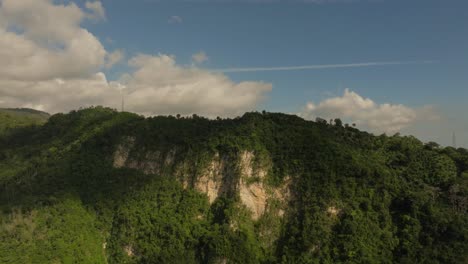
(357, 198)
(13, 118)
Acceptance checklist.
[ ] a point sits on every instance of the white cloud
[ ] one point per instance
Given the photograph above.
(40, 40)
(49, 62)
(175, 20)
(199, 57)
(57, 95)
(157, 86)
(41, 20)
(114, 58)
(98, 12)
(367, 114)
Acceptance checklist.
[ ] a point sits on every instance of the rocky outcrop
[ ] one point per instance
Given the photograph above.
(254, 197)
(122, 152)
(150, 162)
(128, 249)
(333, 211)
(210, 182)
(252, 192)
(223, 175)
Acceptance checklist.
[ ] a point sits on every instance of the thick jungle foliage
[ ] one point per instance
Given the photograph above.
(395, 198)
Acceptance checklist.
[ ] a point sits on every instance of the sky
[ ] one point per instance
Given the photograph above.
(387, 65)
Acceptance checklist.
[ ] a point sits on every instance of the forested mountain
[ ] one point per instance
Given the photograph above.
(98, 186)
(19, 117)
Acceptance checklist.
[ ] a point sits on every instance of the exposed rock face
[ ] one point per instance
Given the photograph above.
(129, 250)
(223, 176)
(123, 151)
(283, 193)
(210, 182)
(333, 211)
(254, 197)
(209, 186)
(170, 157)
(152, 162)
(246, 163)
(221, 261)
(252, 194)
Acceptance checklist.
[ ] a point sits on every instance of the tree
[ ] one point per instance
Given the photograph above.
(338, 122)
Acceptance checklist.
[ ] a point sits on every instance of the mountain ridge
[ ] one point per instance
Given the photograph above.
(20, 117)
(261, 188)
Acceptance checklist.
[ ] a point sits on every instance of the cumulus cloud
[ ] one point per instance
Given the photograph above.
(367, 114)
(48, 44)
(57, 95)
(199, 57)
(159, 85)
(156, 86)
(114, 58)
(49, 62)
(97, 11)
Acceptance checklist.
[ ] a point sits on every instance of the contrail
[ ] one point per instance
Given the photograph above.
(321, 66)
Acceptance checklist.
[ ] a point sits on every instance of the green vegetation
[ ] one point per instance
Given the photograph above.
(356, 198)
(21, 117)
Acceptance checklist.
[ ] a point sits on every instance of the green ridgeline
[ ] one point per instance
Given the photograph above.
(395, 199)
(11, 118)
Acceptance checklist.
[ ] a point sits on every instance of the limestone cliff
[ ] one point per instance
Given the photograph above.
(240, 175)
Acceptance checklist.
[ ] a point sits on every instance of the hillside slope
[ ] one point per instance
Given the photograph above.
(97, 186)
(20, 117)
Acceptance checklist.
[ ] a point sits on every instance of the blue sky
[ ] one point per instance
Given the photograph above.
(250, 34)
(285, 34)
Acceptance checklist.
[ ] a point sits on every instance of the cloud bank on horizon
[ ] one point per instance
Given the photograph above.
(367, 114)
(50, 62)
